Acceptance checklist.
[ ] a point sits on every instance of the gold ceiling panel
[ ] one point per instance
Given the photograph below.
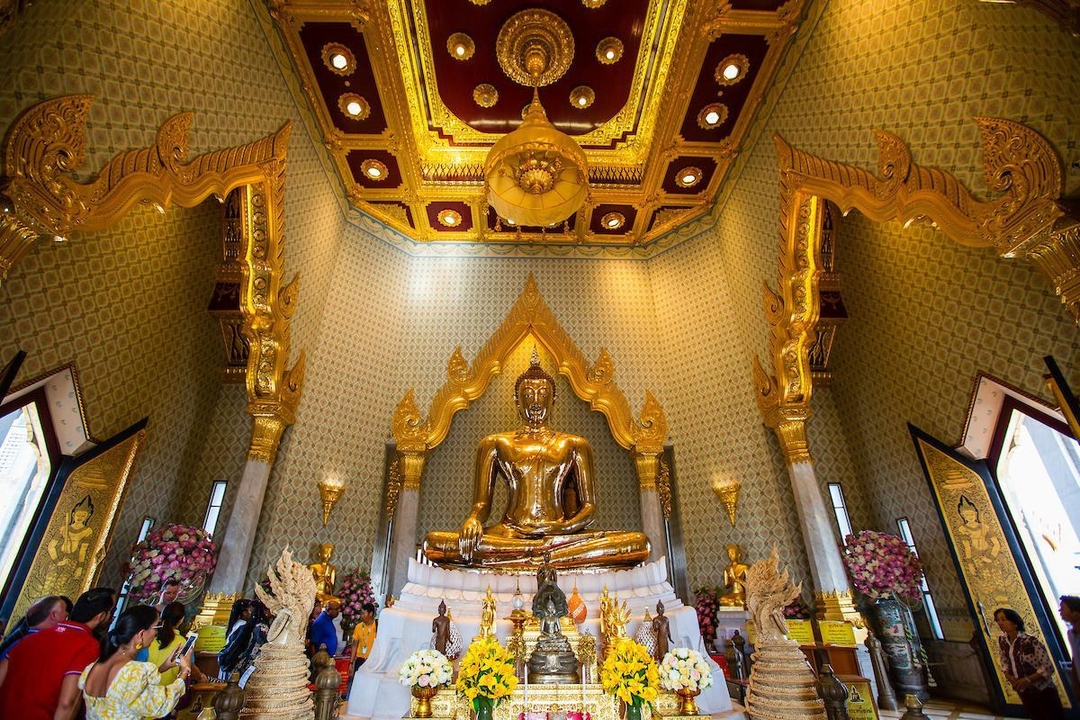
(435, 99)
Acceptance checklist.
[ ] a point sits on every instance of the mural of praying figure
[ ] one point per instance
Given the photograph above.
(980, 547)
(70, 548)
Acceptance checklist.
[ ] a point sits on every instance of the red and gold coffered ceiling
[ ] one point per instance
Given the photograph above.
(422, 97)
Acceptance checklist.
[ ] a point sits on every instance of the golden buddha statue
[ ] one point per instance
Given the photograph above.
(325, 573)
(734, 578)
(550, 503)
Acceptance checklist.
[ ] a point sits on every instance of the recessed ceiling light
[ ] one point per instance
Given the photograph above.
(460, 46)
(355, 106)
(485, 95)
(449, 218)
(688, 177)
(374, 169)
(731, 69)
(712, 116)
(613, 220)
(582, 97)
(609, 50)
(338, 58)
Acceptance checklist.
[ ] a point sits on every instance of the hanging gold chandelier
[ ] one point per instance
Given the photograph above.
(536, 175)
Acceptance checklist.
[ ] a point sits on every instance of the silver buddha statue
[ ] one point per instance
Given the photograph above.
(552, 661)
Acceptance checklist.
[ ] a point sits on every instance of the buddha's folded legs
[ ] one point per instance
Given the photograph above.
(598, 549)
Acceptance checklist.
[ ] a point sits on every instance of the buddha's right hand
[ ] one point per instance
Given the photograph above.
(469, 539)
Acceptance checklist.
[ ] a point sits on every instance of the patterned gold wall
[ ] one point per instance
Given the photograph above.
(128, 306)
(926, 314)
(392, 323)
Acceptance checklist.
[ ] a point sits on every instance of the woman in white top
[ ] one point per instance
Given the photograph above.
(118, 687)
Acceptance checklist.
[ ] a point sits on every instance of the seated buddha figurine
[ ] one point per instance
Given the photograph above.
(734, 578)
(550, 502)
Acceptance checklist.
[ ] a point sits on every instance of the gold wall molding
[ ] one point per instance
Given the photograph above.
(416, 436)
(1025, 219)
(39, 198)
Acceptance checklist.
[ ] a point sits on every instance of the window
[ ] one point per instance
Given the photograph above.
(28, 457)
(122, 598)
(839, 507)
(213, 508)
(928, 601)
(1036, 463)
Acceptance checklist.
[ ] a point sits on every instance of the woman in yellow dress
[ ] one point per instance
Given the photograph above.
(118, 687)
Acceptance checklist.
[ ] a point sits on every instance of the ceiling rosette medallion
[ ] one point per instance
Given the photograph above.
(636, 90)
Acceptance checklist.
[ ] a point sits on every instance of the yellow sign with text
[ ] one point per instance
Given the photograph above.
(801, 630)
(837, 632)
(860, 704)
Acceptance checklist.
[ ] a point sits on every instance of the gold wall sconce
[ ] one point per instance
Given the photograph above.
(330, 490)
(727, 490)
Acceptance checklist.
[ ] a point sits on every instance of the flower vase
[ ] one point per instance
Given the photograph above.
(483, 708)
(633, 712)
(687, 704)
(423, 697)
(893, 625)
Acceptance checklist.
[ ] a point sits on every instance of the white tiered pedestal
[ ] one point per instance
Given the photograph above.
(406, 627)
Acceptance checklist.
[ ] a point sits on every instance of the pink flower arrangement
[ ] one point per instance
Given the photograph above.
(880, 564)
(707, 603)
(170, 550)
(355, 590)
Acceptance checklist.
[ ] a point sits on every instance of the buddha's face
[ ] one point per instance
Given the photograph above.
(534, 399)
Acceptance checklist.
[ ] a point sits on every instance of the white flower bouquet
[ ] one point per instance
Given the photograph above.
(684, 669)
(425, 668)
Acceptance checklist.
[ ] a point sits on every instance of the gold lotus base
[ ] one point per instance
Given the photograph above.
(542, 698)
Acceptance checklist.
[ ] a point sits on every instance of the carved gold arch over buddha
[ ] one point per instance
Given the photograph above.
(39, 198)
(416, 436)
(1027, 220)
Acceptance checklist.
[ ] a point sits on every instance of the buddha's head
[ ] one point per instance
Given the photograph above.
(733, 552)
(326, 550)
(442, 607)
(534, 393)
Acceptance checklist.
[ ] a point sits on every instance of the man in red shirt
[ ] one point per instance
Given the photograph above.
(39, 679)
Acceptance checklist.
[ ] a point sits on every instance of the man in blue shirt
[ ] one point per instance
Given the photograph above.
(323, 631)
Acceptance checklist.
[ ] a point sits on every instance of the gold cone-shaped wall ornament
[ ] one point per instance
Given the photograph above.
(728, 492)
(536, 175)
(330, 490)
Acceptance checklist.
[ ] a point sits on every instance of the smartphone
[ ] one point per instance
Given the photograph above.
(188, 645)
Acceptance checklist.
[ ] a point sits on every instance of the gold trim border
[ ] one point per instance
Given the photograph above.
(48, 141)
(592, 382)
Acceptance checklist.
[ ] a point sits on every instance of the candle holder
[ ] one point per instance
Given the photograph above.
(727, 490)
(330, 490)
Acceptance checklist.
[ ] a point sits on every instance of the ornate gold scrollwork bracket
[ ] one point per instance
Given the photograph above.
(37, 197)
(1025, 220)
(416, 436)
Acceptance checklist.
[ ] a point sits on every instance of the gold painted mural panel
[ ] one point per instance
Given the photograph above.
(69, 558)
(982, 551)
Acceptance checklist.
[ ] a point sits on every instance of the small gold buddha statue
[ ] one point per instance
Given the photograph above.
(550, 502)
(734, 578)
(325, 573)
(487, 616)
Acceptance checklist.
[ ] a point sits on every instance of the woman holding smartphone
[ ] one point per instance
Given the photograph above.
(168, 643)
(118, 687)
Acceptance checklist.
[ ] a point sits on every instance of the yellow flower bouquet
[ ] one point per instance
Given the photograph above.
(629, 673)
(486, 675)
